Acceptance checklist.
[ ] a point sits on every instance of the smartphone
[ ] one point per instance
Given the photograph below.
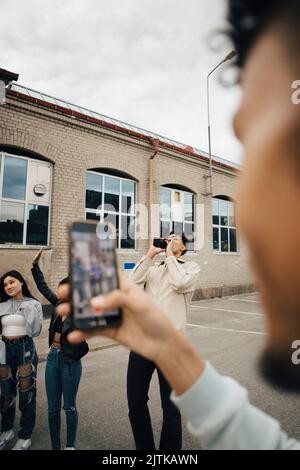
(93, 272)
(160, 243)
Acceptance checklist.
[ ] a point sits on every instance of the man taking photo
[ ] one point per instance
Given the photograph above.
(171, 282)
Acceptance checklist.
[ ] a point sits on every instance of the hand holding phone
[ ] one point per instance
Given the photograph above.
(93, 272)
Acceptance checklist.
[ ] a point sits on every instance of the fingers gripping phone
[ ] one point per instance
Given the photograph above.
(93, 272)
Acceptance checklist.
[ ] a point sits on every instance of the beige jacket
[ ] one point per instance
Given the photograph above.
(171, 282)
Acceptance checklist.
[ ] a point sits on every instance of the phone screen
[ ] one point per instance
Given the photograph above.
(93, 269)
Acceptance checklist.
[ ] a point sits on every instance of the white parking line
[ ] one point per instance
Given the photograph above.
(246, 300)
(227, 329)
(247, 295)
(230, 311)
(249, 298)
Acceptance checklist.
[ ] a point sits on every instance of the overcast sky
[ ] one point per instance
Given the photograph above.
(141, 61)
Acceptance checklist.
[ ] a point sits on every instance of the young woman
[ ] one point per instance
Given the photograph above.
(21, 318)
(63, 368)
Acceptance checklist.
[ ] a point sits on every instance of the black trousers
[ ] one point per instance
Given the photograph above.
(139, 375)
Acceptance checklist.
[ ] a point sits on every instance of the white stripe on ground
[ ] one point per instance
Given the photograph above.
(227, 329)
(247, 300)
(231, 311)
(245, 295)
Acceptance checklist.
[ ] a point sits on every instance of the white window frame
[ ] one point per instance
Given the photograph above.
(228, 227)
(119, 213)
(184, 222)
(26, 202)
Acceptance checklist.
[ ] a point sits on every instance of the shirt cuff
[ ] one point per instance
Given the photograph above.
(200, 400)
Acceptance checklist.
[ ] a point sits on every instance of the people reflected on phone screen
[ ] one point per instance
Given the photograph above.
(93, 272)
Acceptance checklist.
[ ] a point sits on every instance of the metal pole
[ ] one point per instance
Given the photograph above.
(228, 57)
(209, 139)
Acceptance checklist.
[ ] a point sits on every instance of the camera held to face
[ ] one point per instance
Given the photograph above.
(160, 243)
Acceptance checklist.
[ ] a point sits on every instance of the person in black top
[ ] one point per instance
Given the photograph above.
(63, 367)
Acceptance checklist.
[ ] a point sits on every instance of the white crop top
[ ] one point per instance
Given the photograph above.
(13, 325)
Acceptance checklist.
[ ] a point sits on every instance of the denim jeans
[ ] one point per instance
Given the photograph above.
(62, 379)
(18, 354)
(139, 374)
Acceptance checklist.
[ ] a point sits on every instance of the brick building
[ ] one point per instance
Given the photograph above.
(58, 162)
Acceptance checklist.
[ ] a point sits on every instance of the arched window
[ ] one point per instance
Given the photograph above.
(177, 212)
(112, 198)
(224, 226)
(25, 196)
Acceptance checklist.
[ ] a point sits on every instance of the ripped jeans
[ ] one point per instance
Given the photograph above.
(19, 372)
(62, 379)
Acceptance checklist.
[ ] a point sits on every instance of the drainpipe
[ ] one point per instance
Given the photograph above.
(155, 143)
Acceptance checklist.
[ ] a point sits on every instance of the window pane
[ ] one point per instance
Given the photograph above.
(231, 214)
(188, 207)
(224, 221)
(114, 220)
(127, 196)
(37, 225)
(177, 196)
(92, 216)
(216, 220)
(14, 179)
(223, 208)
(224, 239)
(11, 222)
(189, 233)
(189, 229)
(164, 229)
(127, 235)
(165, 203)
(233, 244)
(112, 193)
(177, 228)
(215, 212)
(215, 206)
(216, 239)
(93, 191)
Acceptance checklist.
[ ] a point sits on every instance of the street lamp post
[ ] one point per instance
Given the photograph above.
(229, 56)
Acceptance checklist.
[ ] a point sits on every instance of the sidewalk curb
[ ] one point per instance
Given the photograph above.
(43, 357)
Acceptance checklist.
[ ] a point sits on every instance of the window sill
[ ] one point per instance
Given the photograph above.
(191, 253)
(220, 253)
(24, 247)
(127, 250)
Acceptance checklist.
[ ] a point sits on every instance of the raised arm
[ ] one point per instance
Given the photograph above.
(140, 271)
(40, 282)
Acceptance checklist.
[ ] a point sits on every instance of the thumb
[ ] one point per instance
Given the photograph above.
(115, 299)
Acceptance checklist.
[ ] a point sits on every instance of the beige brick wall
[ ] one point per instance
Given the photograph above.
(73, 146)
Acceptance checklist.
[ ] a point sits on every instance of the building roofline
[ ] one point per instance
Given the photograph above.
(80, 112)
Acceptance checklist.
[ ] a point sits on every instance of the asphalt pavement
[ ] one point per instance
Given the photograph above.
(229, 332)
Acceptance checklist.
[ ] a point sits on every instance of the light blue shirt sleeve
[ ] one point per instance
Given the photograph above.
(220, 415)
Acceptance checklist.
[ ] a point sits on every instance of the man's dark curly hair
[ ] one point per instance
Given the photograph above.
(248, 19)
